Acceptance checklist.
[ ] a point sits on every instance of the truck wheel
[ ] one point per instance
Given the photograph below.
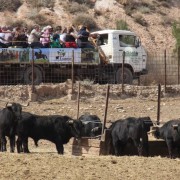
(128, 77)
(37, 76)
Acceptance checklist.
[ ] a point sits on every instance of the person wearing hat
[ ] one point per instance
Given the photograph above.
(82, 37)
(45, 37)
(34, 37)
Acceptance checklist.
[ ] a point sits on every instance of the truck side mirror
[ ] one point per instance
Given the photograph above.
(137, 42)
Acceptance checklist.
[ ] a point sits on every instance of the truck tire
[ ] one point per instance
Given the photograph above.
(37, 76)
(128, 77)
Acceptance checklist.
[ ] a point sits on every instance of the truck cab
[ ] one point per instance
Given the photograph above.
(116, 42)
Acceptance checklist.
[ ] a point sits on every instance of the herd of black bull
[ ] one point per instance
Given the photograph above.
(59, 129)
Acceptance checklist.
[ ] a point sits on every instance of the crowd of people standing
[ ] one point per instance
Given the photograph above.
(47, 37)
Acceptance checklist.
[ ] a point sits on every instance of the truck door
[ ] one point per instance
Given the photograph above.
(105, 44)
(133, 51)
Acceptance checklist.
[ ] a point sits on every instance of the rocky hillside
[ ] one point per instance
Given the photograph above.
(151, 19)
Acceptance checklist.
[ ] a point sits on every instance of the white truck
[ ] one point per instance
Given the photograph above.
(102, 64)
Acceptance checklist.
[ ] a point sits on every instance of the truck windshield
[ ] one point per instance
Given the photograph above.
(127, 40)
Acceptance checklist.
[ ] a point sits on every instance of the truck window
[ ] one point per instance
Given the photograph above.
(127, 40)
(103, 39)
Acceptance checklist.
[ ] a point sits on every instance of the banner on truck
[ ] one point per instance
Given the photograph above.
(14, 55)
(64, 55)
(56, 55)
(41, 55)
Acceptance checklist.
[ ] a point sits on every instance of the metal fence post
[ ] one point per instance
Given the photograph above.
(123, 72)
(165, 71)
(105, 112)
(78, 98)
(159, 106)
(33, 71)
(72, 72)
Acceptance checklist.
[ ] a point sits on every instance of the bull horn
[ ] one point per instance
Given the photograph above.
(70, 121)
(26, 105)
(8, 104)
(175, 126)
(155, 125)
(95, 129)
(150, 132)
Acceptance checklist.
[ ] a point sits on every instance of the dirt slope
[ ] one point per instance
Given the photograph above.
(157, 35)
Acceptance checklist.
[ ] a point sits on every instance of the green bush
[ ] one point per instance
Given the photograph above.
(86, 20)
(121, 25)
(10, 5)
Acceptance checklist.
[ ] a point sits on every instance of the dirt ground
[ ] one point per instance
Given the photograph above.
(44, 163)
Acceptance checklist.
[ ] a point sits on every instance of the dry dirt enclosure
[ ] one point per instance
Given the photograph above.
(45, 163)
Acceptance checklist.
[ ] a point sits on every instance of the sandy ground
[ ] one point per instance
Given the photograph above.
(44, 163)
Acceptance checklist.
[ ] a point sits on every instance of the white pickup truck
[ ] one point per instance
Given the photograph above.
(113, 43)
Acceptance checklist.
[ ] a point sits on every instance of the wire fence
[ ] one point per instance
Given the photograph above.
(163, 67)
(33, 66)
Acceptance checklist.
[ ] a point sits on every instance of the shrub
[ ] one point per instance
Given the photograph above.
(121, 24)
(165, 4)
(86, 20)
(124, 2)
(140, 6)
(15, 23)
(139, 19)
(176, 33)
(98, 12)
(166, 21)
(10, 5)
(144, 9)
(42, 20)
(75, 7)
(41, 3)
(130, 8)
(31, 15)
(88, 3)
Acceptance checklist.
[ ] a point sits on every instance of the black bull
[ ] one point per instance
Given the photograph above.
(170, 132)
(132, 130)
(92, 125)
(9, 116)
(57, 129)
